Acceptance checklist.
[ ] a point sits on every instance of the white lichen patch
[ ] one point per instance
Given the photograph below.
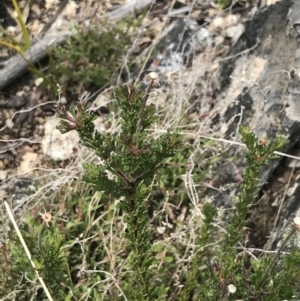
(56, 145)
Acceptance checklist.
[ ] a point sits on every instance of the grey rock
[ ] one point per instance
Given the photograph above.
(259, 86)
(179, 46)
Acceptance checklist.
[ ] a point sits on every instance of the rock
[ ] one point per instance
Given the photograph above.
(56, 145)
(234, 32)
(223, 22)
(28, 164)
(259, 86)
(179, 46)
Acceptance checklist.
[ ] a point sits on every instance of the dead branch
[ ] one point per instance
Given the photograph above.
(16, 66)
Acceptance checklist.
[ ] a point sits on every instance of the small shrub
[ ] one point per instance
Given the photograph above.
(93, 55)
(129, 162)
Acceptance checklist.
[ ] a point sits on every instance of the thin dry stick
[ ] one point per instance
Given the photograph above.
(193, 135)
(10, 215)
(244, 145)
(53, 20)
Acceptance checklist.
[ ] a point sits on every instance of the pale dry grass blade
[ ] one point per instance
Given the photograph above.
(12, 219)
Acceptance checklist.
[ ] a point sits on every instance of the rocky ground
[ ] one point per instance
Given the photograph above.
(231, 64)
